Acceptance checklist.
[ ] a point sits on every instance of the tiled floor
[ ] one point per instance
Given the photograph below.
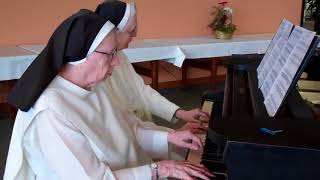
(187, 99)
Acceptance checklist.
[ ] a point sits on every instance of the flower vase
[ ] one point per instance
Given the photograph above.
(222, 35)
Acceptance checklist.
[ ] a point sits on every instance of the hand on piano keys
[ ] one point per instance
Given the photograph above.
(182, 170)
(195, 156)
(185, 139)
(200, 119)
(211, 156)
(194, 115)
(195, 127)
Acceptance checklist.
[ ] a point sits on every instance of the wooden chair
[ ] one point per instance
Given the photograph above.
(149, 69)
(160, 74)
(213, 65)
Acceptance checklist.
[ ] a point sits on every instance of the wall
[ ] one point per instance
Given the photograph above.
(33, 21)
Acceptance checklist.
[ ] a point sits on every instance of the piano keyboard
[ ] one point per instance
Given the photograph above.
(211, 157)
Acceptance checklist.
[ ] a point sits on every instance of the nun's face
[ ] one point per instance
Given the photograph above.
(129, 31)
(102, 61)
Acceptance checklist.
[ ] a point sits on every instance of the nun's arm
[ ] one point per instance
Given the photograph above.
(154, 142)
(70, 155)
(157, 104)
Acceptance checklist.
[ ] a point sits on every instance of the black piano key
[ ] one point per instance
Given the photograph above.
(212, 152)
(213, 167)
(218, 177)
(215, 155)
(211, 146)
(210, 158)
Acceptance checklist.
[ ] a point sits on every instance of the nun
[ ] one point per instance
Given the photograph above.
(67, 127)
(128, 87)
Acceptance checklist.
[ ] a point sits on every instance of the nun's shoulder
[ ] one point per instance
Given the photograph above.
(51, 99)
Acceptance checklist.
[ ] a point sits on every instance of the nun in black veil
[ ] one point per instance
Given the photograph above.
(67, 126)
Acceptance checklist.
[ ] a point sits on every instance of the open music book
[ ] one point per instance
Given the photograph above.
(277, 42)
(283, 63)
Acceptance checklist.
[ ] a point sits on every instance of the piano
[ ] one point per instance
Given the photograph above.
(244, 143)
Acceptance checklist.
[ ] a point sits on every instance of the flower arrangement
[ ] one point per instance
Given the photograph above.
(222, 23)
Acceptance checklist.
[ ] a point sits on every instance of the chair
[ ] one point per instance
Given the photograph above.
(212, 65)
(161, 74)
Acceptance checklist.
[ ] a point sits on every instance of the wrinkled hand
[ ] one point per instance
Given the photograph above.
(185, 139)
(194, 115)
(182, 170)
(195, 127)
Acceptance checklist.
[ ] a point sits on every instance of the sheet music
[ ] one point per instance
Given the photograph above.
(279, 58)
(282, 34)
(283, 57)
(291, 57)
(270, 72)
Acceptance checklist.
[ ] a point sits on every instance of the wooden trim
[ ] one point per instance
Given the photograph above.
(155, 75)
(184, 73)
(213, 75)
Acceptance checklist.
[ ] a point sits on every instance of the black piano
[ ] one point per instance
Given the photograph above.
(244, 143)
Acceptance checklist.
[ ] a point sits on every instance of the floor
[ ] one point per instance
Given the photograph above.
(186, 98)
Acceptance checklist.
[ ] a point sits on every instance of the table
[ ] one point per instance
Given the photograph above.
(197, 47)
(191, 48)
(14, 61)
(176, 50)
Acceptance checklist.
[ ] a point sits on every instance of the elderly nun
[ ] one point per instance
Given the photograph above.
(128, 87)
(68, 128)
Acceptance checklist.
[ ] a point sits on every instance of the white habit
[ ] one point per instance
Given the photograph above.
(71, 133)
(129, 90)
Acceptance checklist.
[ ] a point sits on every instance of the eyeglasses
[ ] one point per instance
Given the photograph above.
(111, 55)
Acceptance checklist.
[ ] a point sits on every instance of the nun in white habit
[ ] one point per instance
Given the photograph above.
(68, 128)
(128, 88)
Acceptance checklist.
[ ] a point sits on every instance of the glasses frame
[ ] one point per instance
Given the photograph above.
(112, 54)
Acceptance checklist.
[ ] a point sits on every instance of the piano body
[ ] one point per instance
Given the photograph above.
(244, 143)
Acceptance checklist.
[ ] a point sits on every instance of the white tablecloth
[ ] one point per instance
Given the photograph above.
(199, 47)
(13, 65)
(13, 62)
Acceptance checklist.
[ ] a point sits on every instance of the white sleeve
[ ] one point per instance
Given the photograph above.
(158, 104)
(148, 125)
(153, 142)
(69, 153)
